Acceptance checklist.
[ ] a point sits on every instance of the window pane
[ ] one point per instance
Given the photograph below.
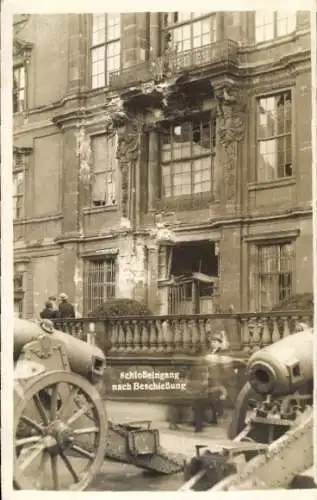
(201, 33)
(199, 14)
(181, 38)
(99, 189)
(267, 160)
(113, 26)
(166, 180)
(285, 22)
(22, 77)
(98, 54)
(183, 16)
(202, 175)
(264, 25)
(98, 147)
(98, 29)
(274, 115)
(98, 67)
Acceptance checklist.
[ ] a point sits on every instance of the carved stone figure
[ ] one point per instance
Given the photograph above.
(230, 130)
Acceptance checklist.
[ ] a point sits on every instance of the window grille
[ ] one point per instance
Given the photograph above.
(272, 274)
(99, 282)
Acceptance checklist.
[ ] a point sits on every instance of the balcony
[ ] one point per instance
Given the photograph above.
(171, 63)
(127, 77)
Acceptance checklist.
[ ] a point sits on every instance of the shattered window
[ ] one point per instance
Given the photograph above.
(105, 170)
(187, 152)
(274, 137)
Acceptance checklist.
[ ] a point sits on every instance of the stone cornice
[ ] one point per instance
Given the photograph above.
(288, 62)
(286, 214)
(38, 220)
(256, 47)
(22, 150)
(21, 49)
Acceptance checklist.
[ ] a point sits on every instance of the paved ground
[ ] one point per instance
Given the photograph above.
(123, 477)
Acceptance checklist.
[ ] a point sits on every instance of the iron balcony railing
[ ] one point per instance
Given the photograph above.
(172, 62)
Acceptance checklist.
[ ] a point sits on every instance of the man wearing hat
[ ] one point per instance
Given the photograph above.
(48, 312)
(65, 308)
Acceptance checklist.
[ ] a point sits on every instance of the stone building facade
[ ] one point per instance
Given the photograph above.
(164, 157)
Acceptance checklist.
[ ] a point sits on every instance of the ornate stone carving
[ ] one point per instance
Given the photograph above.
(230, 130)
(84, 154)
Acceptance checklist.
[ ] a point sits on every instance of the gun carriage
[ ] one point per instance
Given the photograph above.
(272, 428)
(62, 433)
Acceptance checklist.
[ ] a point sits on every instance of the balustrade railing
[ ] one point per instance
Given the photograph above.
(173, 62)
(185, 334)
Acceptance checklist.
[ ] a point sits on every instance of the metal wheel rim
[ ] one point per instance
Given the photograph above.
(21, 480)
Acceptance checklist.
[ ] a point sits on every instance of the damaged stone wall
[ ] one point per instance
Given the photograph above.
(132, 268)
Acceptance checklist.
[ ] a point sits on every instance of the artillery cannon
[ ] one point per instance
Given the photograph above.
(62, 433)
(272, 428)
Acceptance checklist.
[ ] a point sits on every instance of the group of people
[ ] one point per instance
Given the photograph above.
(62, 309)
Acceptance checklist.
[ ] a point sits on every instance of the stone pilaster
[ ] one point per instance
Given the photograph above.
(76, 53)
(155, 34)
(153, 165)
(129, 39)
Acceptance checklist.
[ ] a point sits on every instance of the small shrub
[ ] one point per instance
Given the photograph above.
(120, 307)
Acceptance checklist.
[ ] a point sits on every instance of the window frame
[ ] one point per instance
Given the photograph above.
(257, 140)
(104, 172)
(20, 169)
(89, 296)
(16, 92)
(274, 23)
(172, 162)
(103, 44)
(19, 272)
(166, 28)
(256, 266)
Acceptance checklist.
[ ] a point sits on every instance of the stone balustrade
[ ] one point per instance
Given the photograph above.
(186, 334)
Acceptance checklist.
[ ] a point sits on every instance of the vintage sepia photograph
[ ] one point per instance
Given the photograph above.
(163, 251)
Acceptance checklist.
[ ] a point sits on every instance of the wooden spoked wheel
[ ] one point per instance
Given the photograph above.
(60, 427)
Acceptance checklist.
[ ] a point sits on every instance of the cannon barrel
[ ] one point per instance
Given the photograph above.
(284, 366)
(84, 359)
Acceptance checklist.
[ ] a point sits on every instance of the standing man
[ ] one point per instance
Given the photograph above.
(65, 308)
(48, 312)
